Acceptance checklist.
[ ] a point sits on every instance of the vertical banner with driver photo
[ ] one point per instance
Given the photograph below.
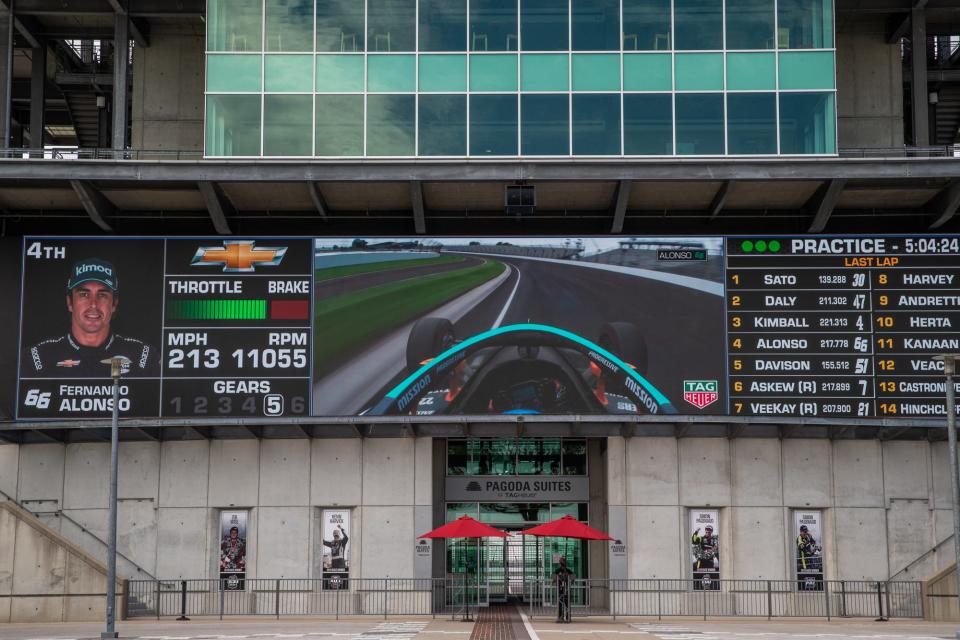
(705, 549)
(233, 550)
(808, 549)
(336, 549)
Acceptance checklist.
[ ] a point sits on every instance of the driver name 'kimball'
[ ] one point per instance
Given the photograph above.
(529, 485)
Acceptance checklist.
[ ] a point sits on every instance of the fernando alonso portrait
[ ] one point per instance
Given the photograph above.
(92, 302)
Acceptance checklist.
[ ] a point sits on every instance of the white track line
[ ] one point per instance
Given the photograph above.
(506, 307)
(526, 625)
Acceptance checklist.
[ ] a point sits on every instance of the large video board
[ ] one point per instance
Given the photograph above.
(810, 326)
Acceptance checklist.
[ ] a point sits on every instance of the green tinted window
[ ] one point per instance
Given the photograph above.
(289, 73)
(493, 25)
(443, 73)
(391, 73)
(443, 125)
(538, 456)
(647, 125)
(493, 132)
(390, 125)
(337, 73)
(443, 25)
(233, 126)
(543, 25)
(391, 25)
(574, 457)
(750, 24)
(596, 124)
(339, 126)
(751, 123)
(285, 120)
(596, 25)
(699, 71)
(457, 457)
(807, 70)
(699, 124)
(596, 72)
(544, 72)
(289, 25)
(340, 25)
(234, 25)
(496, 72)
(647, 72)
(698, 24)
(807, 123)
(233, 72)
(646, 25)
(805, 24)
(751, 71)
(544, 125)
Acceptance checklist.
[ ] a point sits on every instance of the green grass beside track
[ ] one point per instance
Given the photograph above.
(329, 273)
(350, 321)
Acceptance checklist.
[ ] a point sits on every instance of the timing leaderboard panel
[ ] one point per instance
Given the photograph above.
(213, 328)
(841, 327)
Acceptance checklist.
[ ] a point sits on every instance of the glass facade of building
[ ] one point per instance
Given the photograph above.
(488, 78)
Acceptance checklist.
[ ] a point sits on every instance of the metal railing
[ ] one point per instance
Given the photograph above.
(722, 598)
(385, 597)
(278, 597)
(72, 153)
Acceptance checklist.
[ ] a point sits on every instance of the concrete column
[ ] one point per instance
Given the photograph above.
(121, 53)
(918, 38)
(38, 81)
(6, 73)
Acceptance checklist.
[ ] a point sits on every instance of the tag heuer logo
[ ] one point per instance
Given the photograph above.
(700, 393)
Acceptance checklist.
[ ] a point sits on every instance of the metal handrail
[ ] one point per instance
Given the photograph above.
(60, 514)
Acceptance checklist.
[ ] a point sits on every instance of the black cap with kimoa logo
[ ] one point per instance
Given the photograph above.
(93, 270)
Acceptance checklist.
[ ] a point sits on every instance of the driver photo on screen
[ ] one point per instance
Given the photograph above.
(92, 301)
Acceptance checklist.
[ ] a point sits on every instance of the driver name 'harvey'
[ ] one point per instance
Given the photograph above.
(628, 382)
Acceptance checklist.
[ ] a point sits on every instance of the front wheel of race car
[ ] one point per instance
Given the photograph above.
(625, 341)
(429, 337)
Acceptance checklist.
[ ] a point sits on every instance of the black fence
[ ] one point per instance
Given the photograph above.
(456, 597)
(723, 598)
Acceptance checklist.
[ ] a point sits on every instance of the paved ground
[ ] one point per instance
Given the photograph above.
(445, 629)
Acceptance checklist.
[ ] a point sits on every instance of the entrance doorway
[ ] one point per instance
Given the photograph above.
(508, 568)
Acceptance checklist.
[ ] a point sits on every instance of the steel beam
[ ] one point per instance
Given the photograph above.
(144, 8)
(252, 171)
(318, 200)
(823, 202)
(94, 203)
(121, 55)
(902, 23)
(6, 74)
(218, 206)
(921, 110)
(38, 84)
(620, 206)
(720, 200)
(416, 199)
(136, 32)
(945, 204)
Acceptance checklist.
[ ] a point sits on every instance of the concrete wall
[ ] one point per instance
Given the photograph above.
(884, 504)
(43, 577)
(168, 80)
(869, 85)
(171, 494)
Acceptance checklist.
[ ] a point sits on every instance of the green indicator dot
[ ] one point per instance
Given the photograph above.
(747, 246)
(774, 246)
(761, 245)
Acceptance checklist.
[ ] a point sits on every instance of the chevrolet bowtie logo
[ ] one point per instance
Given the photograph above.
(239, 256)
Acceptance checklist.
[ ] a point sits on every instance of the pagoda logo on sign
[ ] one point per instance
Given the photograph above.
(700, 393)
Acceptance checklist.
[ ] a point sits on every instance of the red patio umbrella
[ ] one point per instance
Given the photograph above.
(566, 527)
(465, 527)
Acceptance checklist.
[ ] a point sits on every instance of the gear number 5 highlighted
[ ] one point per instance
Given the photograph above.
(273, 405)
